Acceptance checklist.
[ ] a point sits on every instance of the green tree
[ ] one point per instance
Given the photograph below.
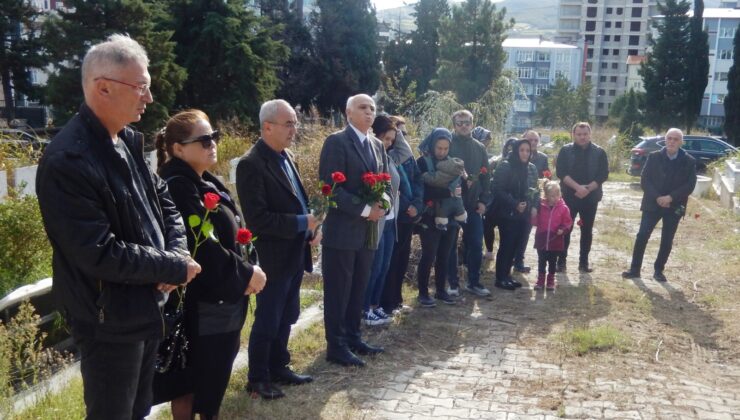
(563, 105)
(664, 73)
(19, 51)
(732, 100)
(425, 42)
(68, 35)
(626, 113)
(348, 60)
(697, 67)
(231, 56)
(470, 54)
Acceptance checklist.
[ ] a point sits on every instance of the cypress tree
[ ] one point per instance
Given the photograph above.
(732, 100)
(698, 66)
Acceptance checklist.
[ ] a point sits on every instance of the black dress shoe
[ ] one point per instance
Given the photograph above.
(630, 274)
(515, 283)
(288, 377)
(659, 276)
(346, 359)
(365, 349)
(505, 284)
(584, 268)
(266, 390)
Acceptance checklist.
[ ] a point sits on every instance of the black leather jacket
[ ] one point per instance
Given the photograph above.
(105, 269)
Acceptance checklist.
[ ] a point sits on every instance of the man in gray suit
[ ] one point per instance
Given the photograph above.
(345, 258)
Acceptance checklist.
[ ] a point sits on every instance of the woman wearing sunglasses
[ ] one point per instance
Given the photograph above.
(215, 304)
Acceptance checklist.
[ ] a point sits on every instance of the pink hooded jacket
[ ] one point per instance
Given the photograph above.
(549, 220)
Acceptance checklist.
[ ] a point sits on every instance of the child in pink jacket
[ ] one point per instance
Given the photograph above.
(553, 221)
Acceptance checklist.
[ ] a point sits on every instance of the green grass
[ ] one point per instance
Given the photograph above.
(584, 340)
(65, 405)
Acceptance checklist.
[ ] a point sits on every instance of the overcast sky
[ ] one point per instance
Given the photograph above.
(389, 4)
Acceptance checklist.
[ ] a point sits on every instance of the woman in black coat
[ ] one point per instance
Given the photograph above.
(516, 198)
(216, 301)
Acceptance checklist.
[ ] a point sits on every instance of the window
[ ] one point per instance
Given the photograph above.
(634, 40)
(720, 77)
(543, 73)
(540, 89)
(524, 72)
(604, 65)
(592, 1)
(617, 25)
(637, 12)
(560, 74)
(590, 25)
(727, 32)
(718, 99)
(522, 105)
(529, 89)
(631, 52)
(543, 56)
(589, 39)
(590, 12)
(635, 26)
(590, 53)
(615, 66)
(607, 24)
(726, 55)
(636, 1)
(602, 92)
(619, 10)
(589, 66)
(605, 51)
(607, 38)
(609, 10)
(617, 38)
(615, 52)
(588, 79)
(612, 92)
(600, 105)
(602, 78)
(613, 79)
(524, 56)
(563, 57)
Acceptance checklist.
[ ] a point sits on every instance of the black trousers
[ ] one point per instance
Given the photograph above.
(511, 233)
(547, 260)
(647, 224)
(522, 248)
(435, 249)
(346, 273)
(117, 378)
(391, 297)
(587, 211)
(489, 234)
(278, 308)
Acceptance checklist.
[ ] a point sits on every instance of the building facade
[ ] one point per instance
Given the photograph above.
(608, 31)
(538, 63)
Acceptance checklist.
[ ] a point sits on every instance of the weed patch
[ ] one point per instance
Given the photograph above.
(584, 340)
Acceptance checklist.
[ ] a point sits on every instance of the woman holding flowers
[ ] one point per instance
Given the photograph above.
(215, 304)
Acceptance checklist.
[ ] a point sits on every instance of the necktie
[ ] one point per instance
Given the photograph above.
(369, 154)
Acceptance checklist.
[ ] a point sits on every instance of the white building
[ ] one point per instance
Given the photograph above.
(609, 31)
(634, 80)
(538, 63)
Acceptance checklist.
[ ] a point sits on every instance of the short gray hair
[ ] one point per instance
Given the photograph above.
(269, 109)
(352, 98)
(675, 130)
(115, 52)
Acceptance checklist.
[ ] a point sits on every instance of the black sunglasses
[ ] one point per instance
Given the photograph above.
(205, 140)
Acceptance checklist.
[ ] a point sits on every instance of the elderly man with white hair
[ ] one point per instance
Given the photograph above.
(667, 179)
(119, 242)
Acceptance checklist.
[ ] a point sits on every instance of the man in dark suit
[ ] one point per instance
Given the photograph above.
(275, 208)
(667, 179)
(346, 258)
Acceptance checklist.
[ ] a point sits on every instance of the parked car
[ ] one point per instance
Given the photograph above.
(703, 148)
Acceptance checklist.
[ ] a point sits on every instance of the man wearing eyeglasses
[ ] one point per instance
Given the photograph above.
(476, 196)
(275, 208)
(119, 242)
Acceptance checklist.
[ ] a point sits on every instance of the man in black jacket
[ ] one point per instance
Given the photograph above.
(667, 179)
(582, 168)
(119, 243)
(275, 207)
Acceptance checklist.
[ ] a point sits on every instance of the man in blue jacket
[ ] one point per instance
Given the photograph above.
(667, 179)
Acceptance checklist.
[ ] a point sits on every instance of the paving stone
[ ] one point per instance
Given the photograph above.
(707, 415)
(462, 413)
(613, 414)
(441, 402)
(472, 404)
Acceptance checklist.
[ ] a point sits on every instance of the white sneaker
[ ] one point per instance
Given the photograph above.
(370, 319)
(453, 292)
(380, 313)
(478, 291)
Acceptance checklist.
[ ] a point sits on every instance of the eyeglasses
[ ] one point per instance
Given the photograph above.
(142, 89)
(463, 122)
(289, 125)
(205, 140)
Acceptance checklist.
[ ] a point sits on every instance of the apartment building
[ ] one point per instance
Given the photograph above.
(608, 31)
(538, 63)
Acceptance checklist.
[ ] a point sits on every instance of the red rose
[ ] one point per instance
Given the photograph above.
(326, 190)
(580, 222)
(547, 174)
(483, 170)
(369, 178)
(384, 177)
(210, 200)
(696, 216)
(243, 236)
(338, 177)
(430, 203)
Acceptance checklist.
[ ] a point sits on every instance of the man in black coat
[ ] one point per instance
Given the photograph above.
(118, 240)
(346, 257)
(582, 168)
(275, 208)
(667, 180)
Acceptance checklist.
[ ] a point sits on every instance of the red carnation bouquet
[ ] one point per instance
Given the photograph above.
(371, 192)
(322, 202)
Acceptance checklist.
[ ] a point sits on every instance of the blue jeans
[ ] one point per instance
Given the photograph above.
(473, 251)
(381, 263)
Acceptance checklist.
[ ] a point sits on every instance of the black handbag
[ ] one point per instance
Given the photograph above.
(172, 351)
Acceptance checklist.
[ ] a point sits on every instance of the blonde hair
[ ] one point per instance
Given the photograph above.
(551, 186)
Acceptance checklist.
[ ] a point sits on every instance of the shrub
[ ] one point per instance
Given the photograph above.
(25, 253)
